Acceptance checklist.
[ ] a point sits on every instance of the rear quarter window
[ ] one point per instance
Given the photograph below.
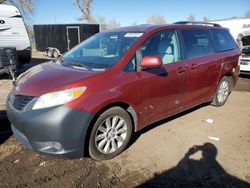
(197, 43)
(223, 40)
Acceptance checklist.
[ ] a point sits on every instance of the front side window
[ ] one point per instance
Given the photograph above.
(223, 40)
(131, 66)
(164, 45)
(197, 43)
(102, 50)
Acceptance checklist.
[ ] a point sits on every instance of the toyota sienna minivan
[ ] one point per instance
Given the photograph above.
(91, 99)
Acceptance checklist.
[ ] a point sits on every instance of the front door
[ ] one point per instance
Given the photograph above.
(162, 90)
(73, 36)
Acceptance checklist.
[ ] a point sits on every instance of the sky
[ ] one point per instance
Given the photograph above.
(128, 12)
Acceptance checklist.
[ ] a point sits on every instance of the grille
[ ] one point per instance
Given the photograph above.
(245, 55)
(19, 101)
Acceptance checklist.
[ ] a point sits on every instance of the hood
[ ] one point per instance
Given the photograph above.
(49, 77)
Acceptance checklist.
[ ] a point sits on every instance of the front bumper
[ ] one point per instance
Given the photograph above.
(58, 131)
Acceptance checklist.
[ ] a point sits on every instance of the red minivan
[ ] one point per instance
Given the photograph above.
(117, 82)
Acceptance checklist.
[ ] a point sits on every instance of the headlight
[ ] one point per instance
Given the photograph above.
(58, 98)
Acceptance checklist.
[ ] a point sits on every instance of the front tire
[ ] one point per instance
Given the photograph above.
(50, 53)
(223, 91)
(110, 134)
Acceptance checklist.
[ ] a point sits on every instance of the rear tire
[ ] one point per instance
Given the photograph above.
(222, 92)
(55, 53)
(110, 134)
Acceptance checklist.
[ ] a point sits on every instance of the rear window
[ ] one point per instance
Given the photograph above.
(197, 43)
(223, 40)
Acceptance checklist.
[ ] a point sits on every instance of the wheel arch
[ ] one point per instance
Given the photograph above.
(215, 102)
(230, 76)
(58, 51)
(227, 74)
(128, 108)
(47, 49)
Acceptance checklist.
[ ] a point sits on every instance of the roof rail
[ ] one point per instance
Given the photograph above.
(198, 23)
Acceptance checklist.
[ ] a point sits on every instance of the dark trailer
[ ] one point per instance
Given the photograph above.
(56, 39)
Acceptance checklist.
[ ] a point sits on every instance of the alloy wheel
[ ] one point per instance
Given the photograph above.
(223, 91)
(111, 134)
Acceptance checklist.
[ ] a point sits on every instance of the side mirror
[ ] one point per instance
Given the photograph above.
(151, 62)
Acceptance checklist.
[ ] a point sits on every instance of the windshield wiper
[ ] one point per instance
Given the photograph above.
(97, 66)
(73, 64)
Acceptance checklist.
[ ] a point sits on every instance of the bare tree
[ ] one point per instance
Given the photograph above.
(85, 7)
(191, 18)
(134, 23)
(206, 19)
(247, 14)
(101, 20)
(156, 19)
(113, 24)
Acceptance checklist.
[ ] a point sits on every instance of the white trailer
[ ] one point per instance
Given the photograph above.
(13, 32)
(239, 28)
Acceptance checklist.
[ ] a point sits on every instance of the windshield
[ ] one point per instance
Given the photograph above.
(101, 51)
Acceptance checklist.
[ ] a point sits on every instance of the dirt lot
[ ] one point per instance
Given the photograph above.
(182, 151)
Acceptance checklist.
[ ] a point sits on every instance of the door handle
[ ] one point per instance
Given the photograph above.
(181, 70)
(193, 66)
